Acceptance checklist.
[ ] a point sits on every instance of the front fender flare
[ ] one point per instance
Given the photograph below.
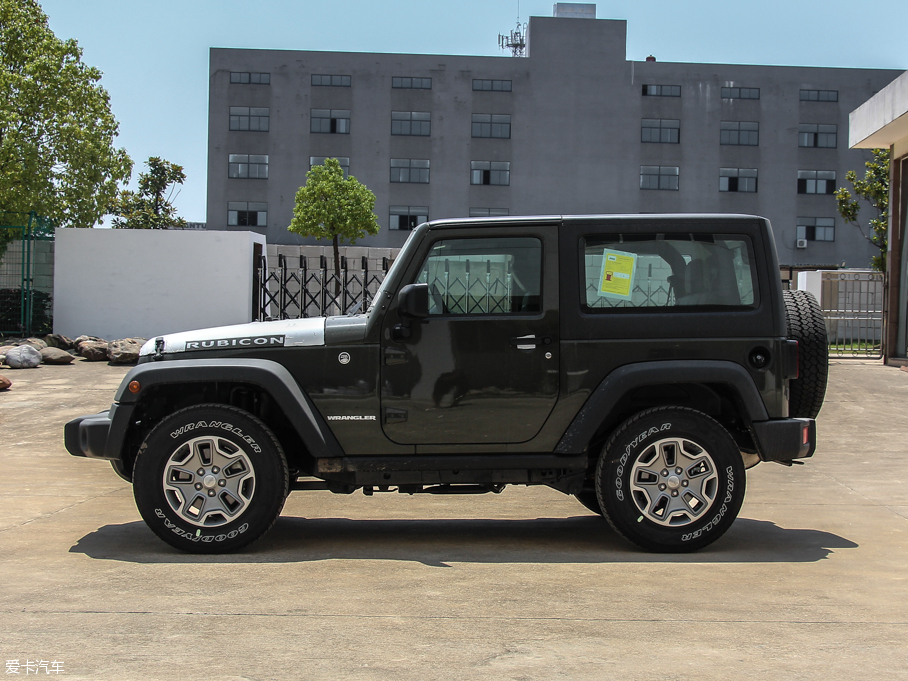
(270, 376)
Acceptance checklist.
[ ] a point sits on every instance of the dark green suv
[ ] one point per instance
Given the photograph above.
(640, 363)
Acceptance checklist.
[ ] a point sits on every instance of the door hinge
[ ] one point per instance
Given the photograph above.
(395, 356)
(393, 415)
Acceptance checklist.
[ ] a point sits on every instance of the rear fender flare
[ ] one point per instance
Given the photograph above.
(630, 376)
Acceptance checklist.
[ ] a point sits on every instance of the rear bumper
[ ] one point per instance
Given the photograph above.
(87, 436)
(785, 439)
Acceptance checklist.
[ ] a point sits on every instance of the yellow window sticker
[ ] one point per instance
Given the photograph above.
(617, 277)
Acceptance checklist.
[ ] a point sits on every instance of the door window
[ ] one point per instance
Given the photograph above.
(484, 276)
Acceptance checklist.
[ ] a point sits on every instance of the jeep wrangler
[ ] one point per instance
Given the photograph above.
(640, 363)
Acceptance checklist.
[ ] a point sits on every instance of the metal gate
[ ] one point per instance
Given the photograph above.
(292, 293)
(23, 310)
(852, 305)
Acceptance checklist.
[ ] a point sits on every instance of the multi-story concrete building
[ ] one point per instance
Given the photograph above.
(573, 127)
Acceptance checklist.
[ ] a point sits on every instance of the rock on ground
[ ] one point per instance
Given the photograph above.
(23, 357)
(5, 383)
(36, 343)
(77, 343)
(93, 351)
(56, 356)
(125, 350)
(56, 340)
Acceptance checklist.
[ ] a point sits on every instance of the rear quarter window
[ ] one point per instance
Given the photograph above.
(675, 272)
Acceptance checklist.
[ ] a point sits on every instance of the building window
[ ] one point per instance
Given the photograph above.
(252, 166)
(242, 214)
(333, 121)
(819, 95)
(408, 83)
(666, 131)
(661, 90)
(811, 135)
(816, 181)
(330, 81)
(408, 217)
(492, 125)
(344, 162)
(492, 85)
(740, 133)
(737, 179)
(243, 78)
(417, 123)
(740, 93)
(659, 177)
(412, 170)
(816, 229)
(488, 212)
(490, 172)
(249, 118)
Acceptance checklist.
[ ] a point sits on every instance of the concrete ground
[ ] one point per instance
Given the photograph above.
(811, 582)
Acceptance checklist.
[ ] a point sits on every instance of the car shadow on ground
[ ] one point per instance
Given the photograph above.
(581, 539)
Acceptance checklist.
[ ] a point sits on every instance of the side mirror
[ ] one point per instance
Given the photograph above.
(412, 303)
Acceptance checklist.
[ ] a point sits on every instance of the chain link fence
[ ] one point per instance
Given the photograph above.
(26, 273)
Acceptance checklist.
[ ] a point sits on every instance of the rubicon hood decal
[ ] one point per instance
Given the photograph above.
(277, 334)
(246, 342)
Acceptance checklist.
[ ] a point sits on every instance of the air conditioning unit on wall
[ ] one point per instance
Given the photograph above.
(802, 243)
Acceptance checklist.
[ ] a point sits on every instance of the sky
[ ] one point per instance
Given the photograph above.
(154, 55)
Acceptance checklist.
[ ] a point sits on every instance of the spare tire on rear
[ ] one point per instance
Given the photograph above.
(806, 325)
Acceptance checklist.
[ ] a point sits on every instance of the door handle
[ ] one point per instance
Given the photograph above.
(526, 342)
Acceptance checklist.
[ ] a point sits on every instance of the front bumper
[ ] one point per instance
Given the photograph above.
(785, 439)
(87, 436)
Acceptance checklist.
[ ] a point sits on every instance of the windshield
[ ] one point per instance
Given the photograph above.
(393, 272)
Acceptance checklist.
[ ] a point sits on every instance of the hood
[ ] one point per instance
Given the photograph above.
(276, 334)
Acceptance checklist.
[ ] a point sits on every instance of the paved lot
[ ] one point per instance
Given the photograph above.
(810, 582)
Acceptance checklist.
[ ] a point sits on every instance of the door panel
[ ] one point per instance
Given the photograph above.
(483, 367)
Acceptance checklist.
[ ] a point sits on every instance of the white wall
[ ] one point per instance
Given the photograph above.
(118, 283)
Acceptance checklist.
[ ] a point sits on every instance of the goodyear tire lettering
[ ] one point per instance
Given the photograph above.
(193, 535)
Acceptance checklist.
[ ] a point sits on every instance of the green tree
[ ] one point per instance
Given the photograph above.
(330, 206)
(874, 189)
(149, 208)
(57, 156)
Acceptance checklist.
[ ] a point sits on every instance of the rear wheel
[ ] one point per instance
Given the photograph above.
(210, 479)
(807, 326)
(670, 479)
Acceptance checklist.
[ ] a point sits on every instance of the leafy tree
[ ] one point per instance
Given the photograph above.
(874, 189)
(329, 206)
(148, 208)
(56, 130)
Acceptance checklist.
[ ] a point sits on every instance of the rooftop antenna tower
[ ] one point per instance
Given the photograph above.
(516, 40)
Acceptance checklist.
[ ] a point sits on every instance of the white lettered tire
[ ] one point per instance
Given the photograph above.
(210, 479)
(670, 479)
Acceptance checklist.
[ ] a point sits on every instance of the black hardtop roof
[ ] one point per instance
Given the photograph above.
(529, 220)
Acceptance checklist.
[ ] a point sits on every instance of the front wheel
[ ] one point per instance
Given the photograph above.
(589, 499)
(210, 479)
(670, 479)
